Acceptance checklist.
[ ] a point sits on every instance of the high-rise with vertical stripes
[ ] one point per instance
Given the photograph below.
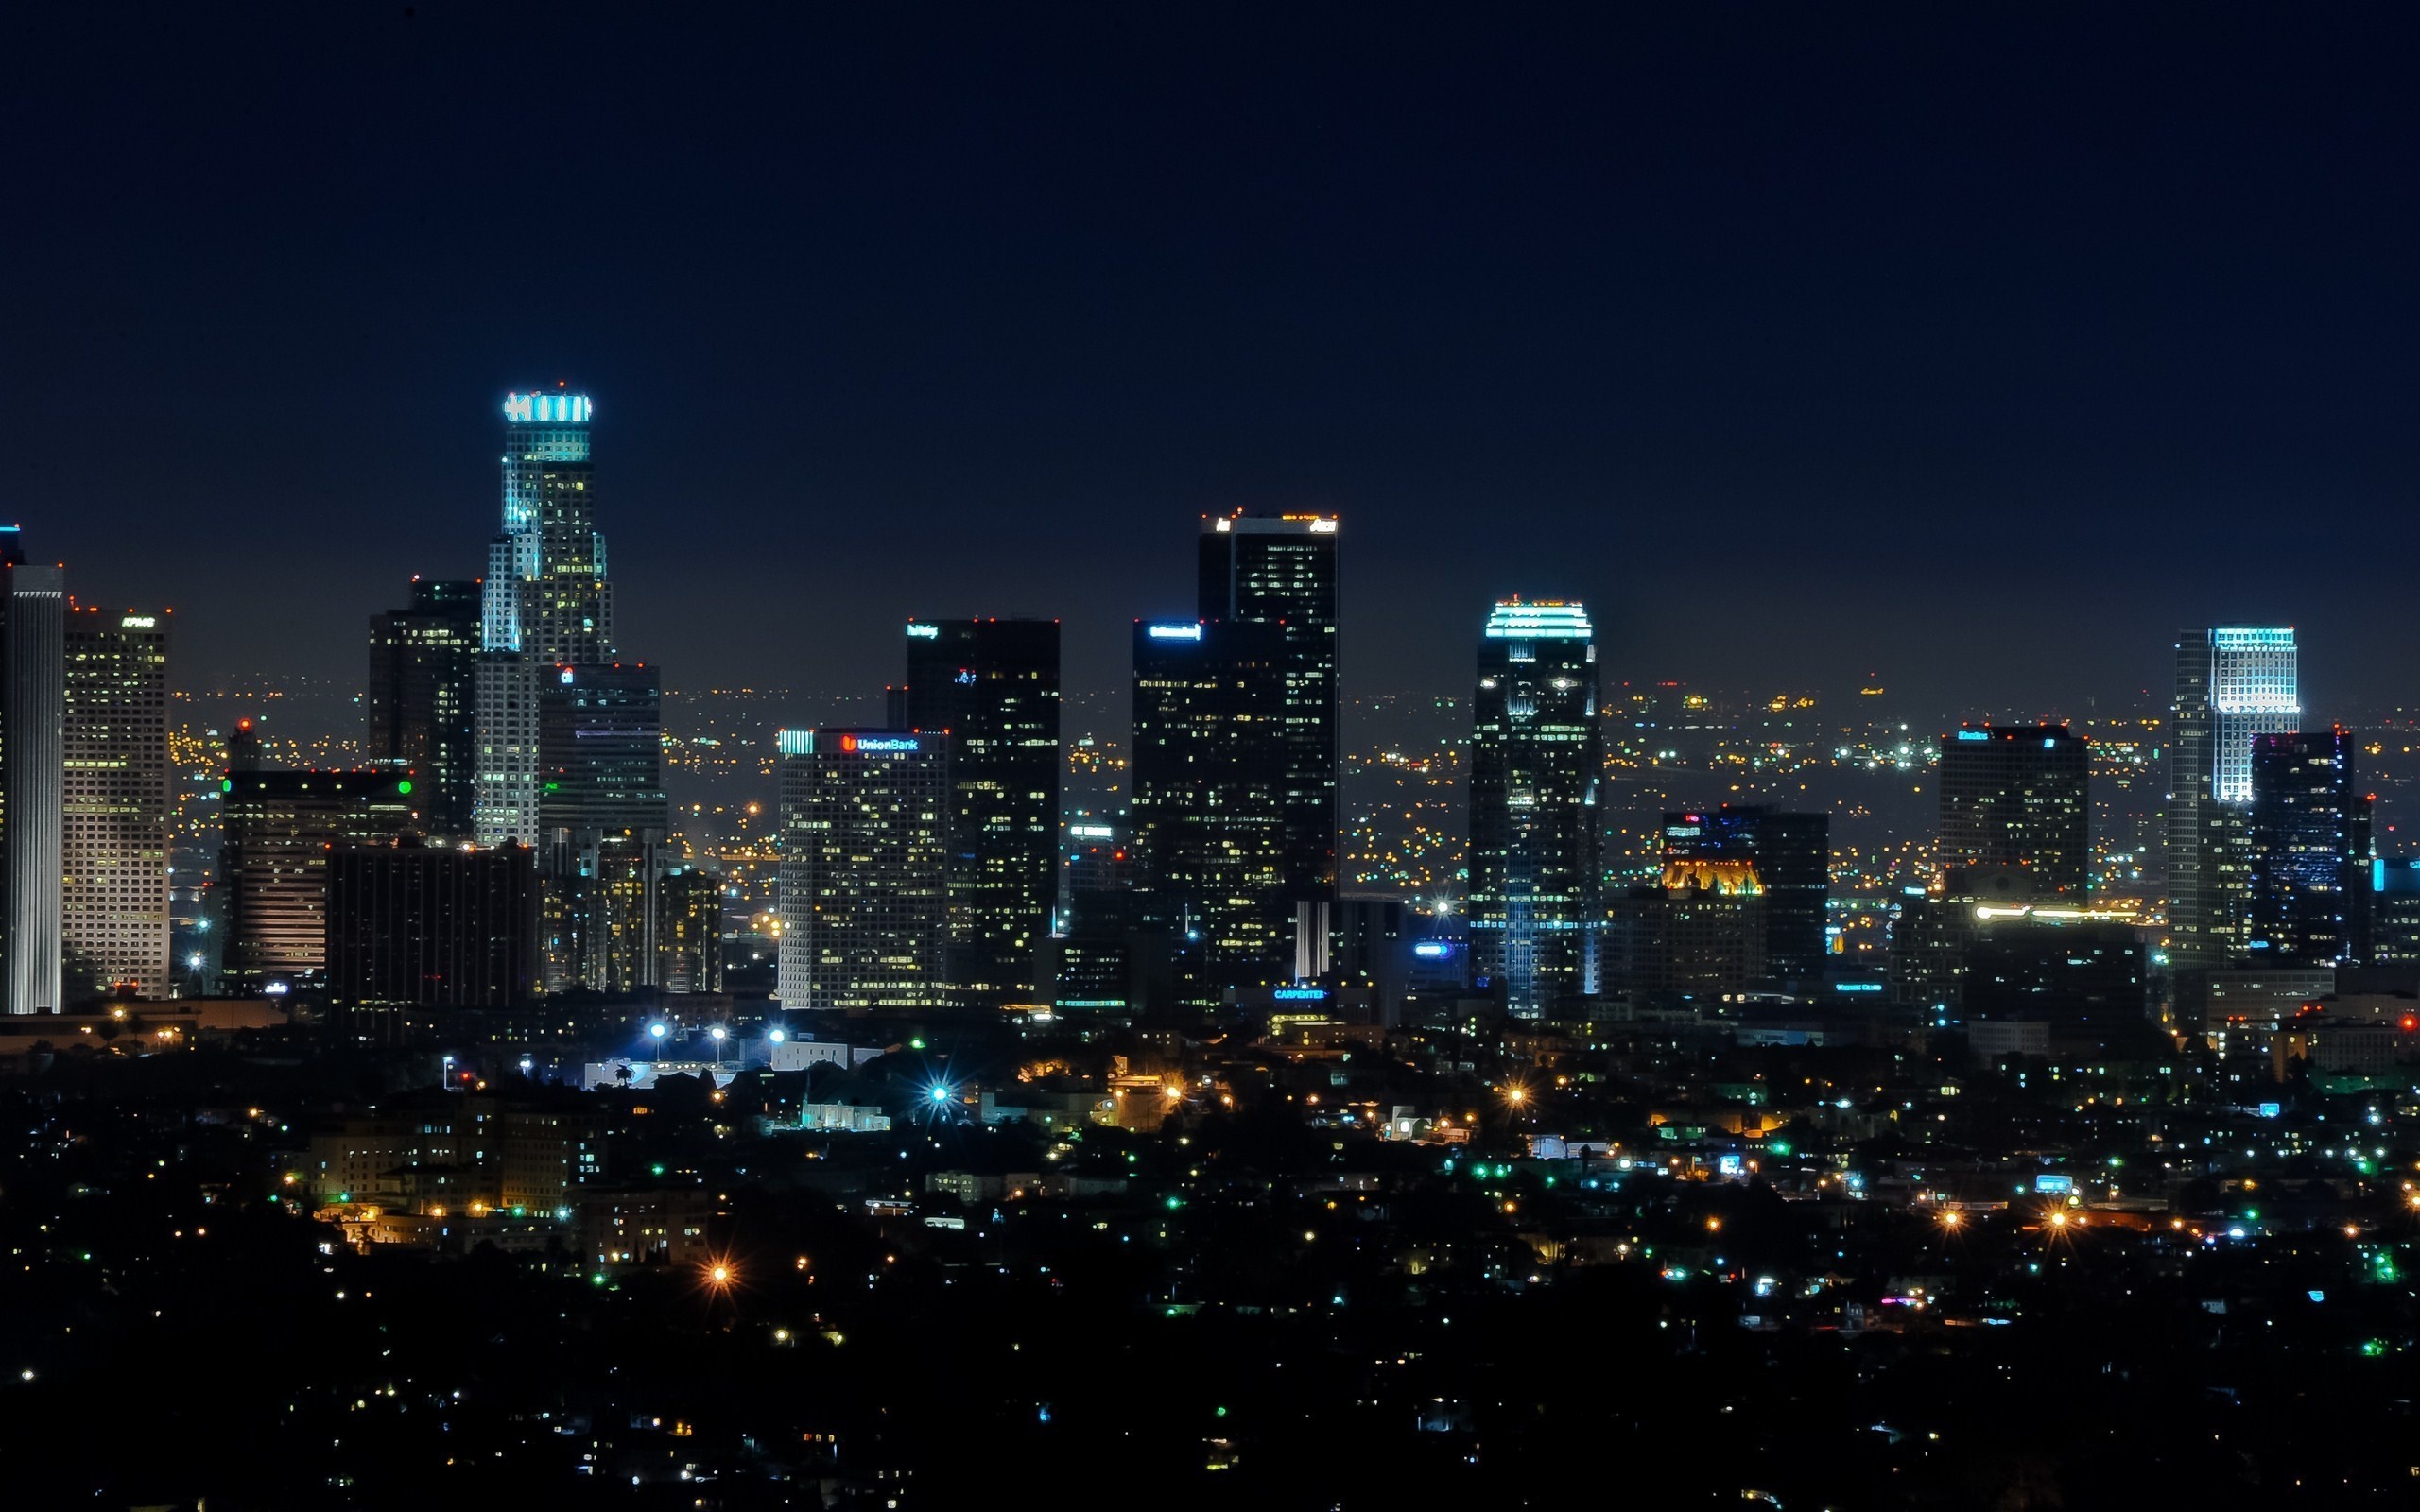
(2233, 683)
(1537, 890)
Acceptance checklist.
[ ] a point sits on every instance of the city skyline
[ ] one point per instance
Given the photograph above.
(1300, 721)
(1553, 356)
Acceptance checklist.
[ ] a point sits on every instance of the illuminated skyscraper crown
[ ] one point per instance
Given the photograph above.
(1548, 620)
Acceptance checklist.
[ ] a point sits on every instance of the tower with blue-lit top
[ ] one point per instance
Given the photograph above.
(570, 743)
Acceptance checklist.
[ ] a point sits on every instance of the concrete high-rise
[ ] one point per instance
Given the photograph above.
(2019, 795)
(2309, 835)
(2233, 683)
(33, 720)
(1208, 784)
(546, 602)
(424, 681)
(116, 801)
(990, 686)
(1536, 898)
(865, 869)
(1280, 570)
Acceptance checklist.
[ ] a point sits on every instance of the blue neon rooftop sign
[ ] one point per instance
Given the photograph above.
(547, 409)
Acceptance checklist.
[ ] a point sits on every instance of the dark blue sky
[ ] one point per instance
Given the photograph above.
(1975, 347)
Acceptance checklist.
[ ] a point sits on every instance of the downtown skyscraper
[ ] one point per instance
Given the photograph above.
(2233, 683)
(546, 602)
(423, 679)
(1536, 899)
(2018, 796)
(570, 738)
(865, 895)
(2308, 847)
(1208, 792)
(990, 687)
(116, 803)
(1280, 570)
(33, 720)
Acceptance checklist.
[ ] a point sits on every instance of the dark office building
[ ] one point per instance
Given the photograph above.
(1281, 571)
(600, 749)
(1536, 898)
(423, 664)
(1791, 854)
(1371, 948)
(688, 929)
(2019, 795)
(992, 686)
(603, 821)
(2085, 978)
(1209, 806)
(1108, 951)
(278, 830)
(430, 927)
(2309, 848)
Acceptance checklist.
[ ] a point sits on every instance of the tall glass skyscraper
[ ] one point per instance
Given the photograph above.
(1280, 570)
(1208, 783)
(2233, 683)
(546, 602)
(423, 679)
(2310, 830)
(1536, 903)
(2019, 796)
(990, 686)
(115, 876)
(546, 588)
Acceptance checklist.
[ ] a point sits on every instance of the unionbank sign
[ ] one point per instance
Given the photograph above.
(877, 743)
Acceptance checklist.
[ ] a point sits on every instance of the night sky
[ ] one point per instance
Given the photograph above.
(1975, 347)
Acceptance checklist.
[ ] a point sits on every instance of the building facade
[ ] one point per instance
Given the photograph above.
(422, 696)
(2309, 848)
(2233, 683)
(114, 794)
(864, 870)
(1792, 857)
(1209, 807)
(991, 687)
(278, 830)
(33, 757)
(1536, 898)
(2019, 795)
(546, 603)
(412, 926)
(1280, 570)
